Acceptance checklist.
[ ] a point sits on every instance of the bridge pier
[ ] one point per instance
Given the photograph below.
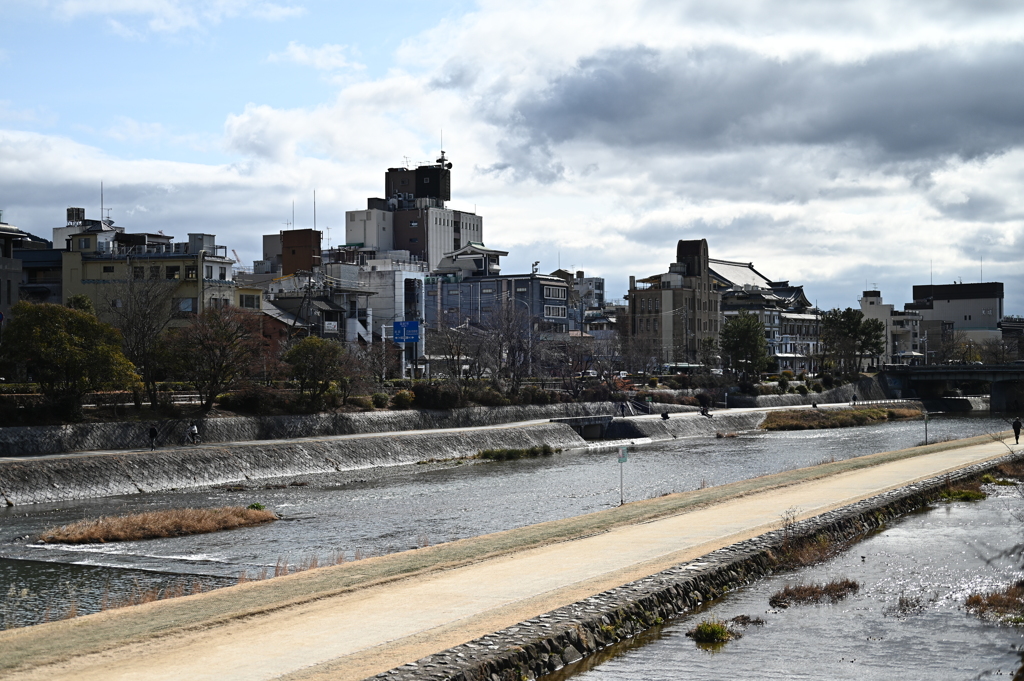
(1007, 396)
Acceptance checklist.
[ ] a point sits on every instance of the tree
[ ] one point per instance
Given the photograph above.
(508, 347)
(316, 363)
(219, 347)
(871, 339)
(81, 302)
(569, 359)
(383, 360)
(68, 352)
(840, 335)
(142, 309)
(998, 351)
(707, 353)
(743, 343)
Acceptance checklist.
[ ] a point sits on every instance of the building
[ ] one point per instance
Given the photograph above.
(675, 312)
(904, 343)
(414, 216)
(467, 287)
(10, 267)
(96, 262)
(974, 309)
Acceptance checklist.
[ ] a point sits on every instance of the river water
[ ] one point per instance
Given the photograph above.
(934, 559)
(376, 511)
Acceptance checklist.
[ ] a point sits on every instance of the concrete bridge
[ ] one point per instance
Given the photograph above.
(1006, 380)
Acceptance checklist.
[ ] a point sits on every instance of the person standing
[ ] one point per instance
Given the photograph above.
(152, 438)
(1016, 430)
(193, 433)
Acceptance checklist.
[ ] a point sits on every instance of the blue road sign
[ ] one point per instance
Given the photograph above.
(406, 332)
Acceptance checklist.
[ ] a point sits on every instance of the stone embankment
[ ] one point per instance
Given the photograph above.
(101, 475)
(550, 641)
(35, 441)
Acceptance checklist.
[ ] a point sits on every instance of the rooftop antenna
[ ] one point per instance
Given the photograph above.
(314, 210)
(981, 270)
(293, 212)
(406, 161)
(931, 274)
(101, 201)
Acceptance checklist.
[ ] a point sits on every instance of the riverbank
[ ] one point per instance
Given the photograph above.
(323, 599)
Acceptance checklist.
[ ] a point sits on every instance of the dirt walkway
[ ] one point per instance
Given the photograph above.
(358, 619)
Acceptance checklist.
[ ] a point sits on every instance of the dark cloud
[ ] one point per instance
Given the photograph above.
(922, 105)
(979, 207)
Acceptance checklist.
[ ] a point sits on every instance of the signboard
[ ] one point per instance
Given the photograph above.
(330, 327)
(406, 332)
(623, 455)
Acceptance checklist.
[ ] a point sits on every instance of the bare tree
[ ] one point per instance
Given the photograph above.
(383, 360)
(569, 359)
(141, 309)
(508, 349)
(998, 351)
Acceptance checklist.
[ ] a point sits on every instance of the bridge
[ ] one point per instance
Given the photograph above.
(1007, 380)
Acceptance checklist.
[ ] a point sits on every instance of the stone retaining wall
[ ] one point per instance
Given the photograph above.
(34, 441)
(88, 476)
(550, 641)
(865, 389)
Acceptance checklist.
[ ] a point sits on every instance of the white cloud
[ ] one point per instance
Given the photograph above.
(324, 58)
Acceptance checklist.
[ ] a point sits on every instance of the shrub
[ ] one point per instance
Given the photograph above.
(788, 375)
(784, 382)
(531, 394)
(433, 395)
(403, 399)
(710, 631)
(802, 389)
(816, 387)
(828, 381)
(513, 454)
(254, 399)
(380, 400)
(361, 402)
(652, 382)
(833, 592)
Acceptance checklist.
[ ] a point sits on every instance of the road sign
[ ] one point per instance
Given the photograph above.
(406, 332)
(623, 456)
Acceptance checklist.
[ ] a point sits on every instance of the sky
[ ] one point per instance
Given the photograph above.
(839, 145)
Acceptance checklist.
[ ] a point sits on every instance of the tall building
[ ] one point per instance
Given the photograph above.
(414, 216)
(674, 312)
(975, 309)
(903, 332)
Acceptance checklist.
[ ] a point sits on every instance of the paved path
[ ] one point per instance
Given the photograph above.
(315, 625)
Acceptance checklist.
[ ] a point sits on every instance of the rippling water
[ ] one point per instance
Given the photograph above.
(934, 558)
(397, 508)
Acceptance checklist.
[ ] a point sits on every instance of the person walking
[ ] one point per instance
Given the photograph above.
(1016, 430)
(152, 438)
(193, 433)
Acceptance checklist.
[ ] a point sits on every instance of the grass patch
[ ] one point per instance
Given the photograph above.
(832, 592)
(1013, 469)
(512, 454)
(711, 631)
(156, 524)
(720, 434)
(815, 419)
(1006, 605)
(965, 491)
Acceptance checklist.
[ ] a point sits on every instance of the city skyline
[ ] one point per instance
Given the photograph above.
(844, 148)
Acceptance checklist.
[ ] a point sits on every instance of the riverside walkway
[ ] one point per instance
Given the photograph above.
(358, 619)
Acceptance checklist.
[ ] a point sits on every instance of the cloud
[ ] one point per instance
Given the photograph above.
(325, 58)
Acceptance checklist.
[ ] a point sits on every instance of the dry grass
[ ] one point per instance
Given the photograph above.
(1007, 604)
(833, 592)
(156, 524)
(1012, 469)
(964, 491)
(813, 419)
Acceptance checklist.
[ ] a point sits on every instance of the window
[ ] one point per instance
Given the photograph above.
(487, 290)
(351, 217)
(655, 326)
(185, 304)
(115, 302)
(454, 292)
(154, 272)
(554, 292)
(173, 272)
(520, 289)
(209, 272)
(108, 269)
(83, 244)
(224, 272)
(431, 293)
(139, 272)
(190, 271)
(414, 241)
(557, 311)
(248, 301)
(426, 180)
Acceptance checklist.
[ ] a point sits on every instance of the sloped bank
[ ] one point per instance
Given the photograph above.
(688, 425)
(82, 477)
(550, 641)
(35, 441)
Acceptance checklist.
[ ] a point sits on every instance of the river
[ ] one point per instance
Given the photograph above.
(382, 510)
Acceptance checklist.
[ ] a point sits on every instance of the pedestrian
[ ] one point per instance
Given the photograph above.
(854, 402)
(664, 416)
(152, 438)
(1016, 430)
(622, 408)
(193, 433)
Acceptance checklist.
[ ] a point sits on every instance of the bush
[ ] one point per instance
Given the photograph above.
(788, 375)
(828, 381)
(403, 399)
(784, 383)
(431, 395)
(710, 631)
(802, 389)
(254, 399)
(380, 400)
(513, 454)
(652, 382)
(816, 387)
(361, 402)
(531, 394)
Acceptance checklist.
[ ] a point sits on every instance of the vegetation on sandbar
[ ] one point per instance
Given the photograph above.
(711, 631)
(177, 522)
(832, 592)
(1006, 605)
(812, 419)
(965, 491)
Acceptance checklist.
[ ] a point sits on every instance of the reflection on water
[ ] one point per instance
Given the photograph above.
(397, 508)
(932, 559)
